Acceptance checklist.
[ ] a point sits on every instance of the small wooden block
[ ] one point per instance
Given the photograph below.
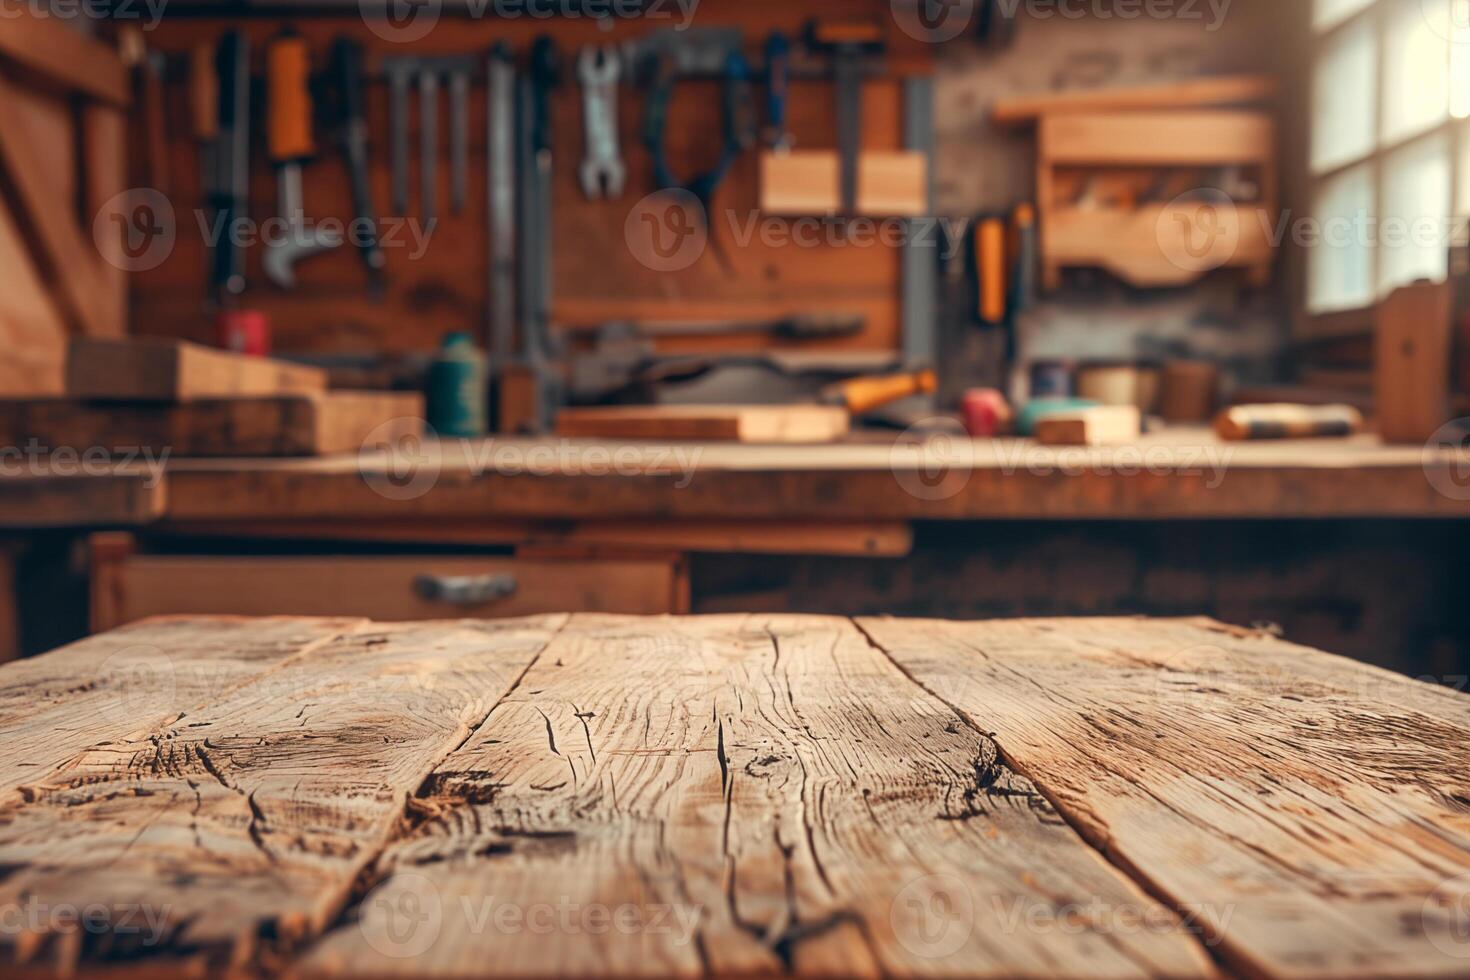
(149, 369)
(1106, 425)
(300, 425)
(810, 183)
(1412, 362)
(734, 423)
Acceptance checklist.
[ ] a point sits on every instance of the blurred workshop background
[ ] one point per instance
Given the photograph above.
(960, 308)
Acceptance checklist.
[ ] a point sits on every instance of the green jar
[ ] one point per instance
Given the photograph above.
(458, 396)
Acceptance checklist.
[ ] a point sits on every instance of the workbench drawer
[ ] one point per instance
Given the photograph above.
(129, 587)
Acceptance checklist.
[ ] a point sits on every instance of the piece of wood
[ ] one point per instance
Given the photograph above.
(1245, 422)
(66, 57)
(157, 369)
(1164, 242)
(808, 183)
(1184, 474)
(31, 325)
(243, 824)
(1309, 812)
(66, 255)
(891, 539)
(304, 425)
(104, 152)
(131, 495)
(775, 791)
(114, 687)
(1104, 425)
(1189, 391)
(717, 423)
(1159, 139)
(1159, 245)
(386, 589)
(1220, 91)
(1412, 362)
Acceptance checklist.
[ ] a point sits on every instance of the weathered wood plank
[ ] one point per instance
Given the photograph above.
(157, 369)
(1176, 475)
(241, 827)
(750, 795)
(296, 425)
(1313, 815)
(132, 681)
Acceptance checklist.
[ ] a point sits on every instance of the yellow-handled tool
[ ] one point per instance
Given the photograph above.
(288, 80)
(862, 395)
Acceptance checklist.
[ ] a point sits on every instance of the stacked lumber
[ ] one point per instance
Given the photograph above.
(144, 395)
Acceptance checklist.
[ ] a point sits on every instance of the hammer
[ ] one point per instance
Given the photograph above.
(288, 63)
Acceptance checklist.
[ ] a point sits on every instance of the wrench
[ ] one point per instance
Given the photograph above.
(603, 171)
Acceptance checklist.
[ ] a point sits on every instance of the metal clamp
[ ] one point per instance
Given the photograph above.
(465, 590)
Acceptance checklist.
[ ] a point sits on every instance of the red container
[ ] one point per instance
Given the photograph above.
(245, 332)
(987, 413)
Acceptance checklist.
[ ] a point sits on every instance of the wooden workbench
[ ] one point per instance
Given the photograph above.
(735, 795)
(1178, 475)
(1182, 474)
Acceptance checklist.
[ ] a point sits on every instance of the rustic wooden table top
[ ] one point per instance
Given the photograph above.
(730, 795)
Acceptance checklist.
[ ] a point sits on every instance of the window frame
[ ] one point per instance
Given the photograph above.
(1358, 320)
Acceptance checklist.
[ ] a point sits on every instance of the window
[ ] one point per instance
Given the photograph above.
(1390, 158)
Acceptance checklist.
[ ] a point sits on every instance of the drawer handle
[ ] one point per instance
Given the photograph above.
(465, 590)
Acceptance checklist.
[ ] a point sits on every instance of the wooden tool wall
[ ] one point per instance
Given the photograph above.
(597, 276)
(63, 99)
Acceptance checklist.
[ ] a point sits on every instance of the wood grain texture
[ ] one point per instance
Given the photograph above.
(109, 688)
(774, 788)
(243, 824)
(1309, 813)
(741, 795)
